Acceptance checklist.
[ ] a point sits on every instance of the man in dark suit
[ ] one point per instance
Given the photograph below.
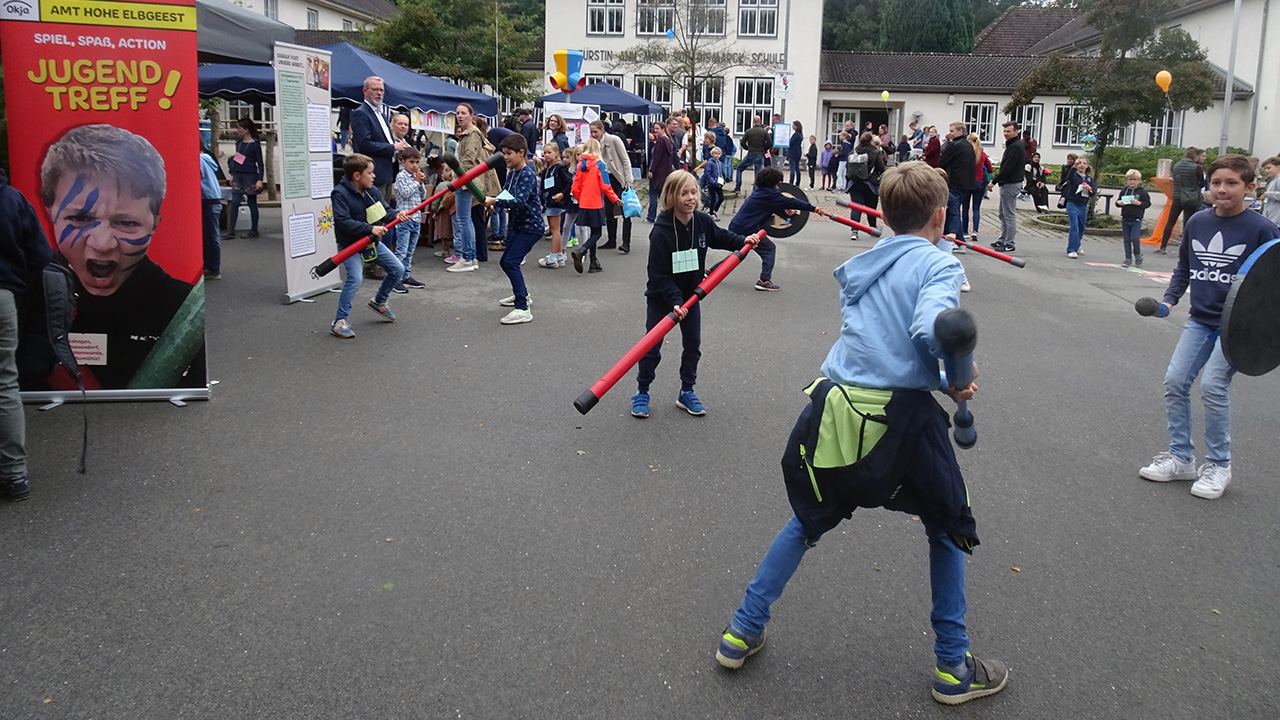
(371, 135)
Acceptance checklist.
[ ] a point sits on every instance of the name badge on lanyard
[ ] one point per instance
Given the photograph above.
(375, 212)
(548, 182)
(683, 261)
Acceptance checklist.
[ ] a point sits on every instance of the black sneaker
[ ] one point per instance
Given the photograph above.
(767, 286)
(595, 266)
(16, 490)
(577, 258)
(986, 677)
(624, 249)
(609, 245)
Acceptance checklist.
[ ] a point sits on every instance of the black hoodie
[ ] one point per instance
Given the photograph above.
(668, 236)
(24, 249)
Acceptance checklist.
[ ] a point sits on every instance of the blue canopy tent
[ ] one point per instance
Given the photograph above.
(608, 98)
(351, 65)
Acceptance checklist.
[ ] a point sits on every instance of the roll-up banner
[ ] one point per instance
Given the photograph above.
(306, 161)
(103, 124)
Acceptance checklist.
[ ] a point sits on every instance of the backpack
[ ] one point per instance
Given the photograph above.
(859, 166)
(44, 337)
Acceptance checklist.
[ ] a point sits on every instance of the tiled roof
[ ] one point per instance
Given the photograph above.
(1065, 37)
(946, 72)
(1019, 28)
(376, 9)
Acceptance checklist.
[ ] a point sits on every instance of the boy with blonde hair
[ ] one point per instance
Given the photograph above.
(1133, 201)
(873, 435)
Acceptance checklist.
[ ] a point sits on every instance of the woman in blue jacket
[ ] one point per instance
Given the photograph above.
(793, 152)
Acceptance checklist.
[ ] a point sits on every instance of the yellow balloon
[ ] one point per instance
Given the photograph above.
(1163, 79)
(884, 95)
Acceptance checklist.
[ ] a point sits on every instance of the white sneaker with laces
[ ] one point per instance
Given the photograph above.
(1214, 479)
(516, 317)
(463, 266)
(1072, 255)
(510, 300)
(1165, 467)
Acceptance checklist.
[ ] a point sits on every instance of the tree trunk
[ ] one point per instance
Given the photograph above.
(1099, 157)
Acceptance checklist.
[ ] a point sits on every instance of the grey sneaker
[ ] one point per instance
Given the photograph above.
(1165, 467)
(736, 646)
(1213, 481)
(985, 677)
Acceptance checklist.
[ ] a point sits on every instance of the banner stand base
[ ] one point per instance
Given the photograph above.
(336, 286)
(55, 398)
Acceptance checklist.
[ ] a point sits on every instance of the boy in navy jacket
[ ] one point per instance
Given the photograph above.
(358, 212)
(755, 215)
(873, 435)
(524, 202)
(1214, 246)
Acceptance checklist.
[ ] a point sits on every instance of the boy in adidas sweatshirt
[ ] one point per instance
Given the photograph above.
(874, 436)
(1214, 246)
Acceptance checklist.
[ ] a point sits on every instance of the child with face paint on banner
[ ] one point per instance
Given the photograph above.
(103, 188)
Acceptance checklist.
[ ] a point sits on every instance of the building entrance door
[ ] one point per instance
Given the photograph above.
(835, 123)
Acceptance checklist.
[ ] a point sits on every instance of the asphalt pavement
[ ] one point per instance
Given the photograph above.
(417, 523)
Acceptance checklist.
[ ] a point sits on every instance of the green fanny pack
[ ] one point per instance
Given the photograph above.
(846, 423)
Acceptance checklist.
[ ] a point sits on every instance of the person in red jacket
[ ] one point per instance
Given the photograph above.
(933, 147)
(590, 188)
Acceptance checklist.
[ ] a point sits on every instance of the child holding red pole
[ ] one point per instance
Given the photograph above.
(677, 263)
(359, 213)
(874, 436)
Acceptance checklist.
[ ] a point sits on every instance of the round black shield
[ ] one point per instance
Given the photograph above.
(1250, 324)
(784, 226)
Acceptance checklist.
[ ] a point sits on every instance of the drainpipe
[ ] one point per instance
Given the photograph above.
(786, 55)
(1257, 81)
(1230, 94)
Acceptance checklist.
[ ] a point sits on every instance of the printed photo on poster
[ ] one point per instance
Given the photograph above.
(317, 72)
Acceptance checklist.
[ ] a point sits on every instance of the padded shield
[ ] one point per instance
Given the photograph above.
(784, 226)
(1250, 323)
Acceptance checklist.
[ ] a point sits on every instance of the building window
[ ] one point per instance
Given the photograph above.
(1167, 130)
(604, 17)
(1029, 118)
(1068, 121)
(614, 80)
(754, 97)
(233, 110)
(835, 125)
(271, 8)
(655, 89)
(1123, 137)
(981, 118)
(655, 17)
(757, 18)
(313, 19)
(707, 97)
(707, 17)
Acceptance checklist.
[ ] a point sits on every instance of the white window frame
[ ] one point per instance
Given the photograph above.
(656, 89)
(614, 80)
(835, 124)
(606, 17)
(980, 117)
(1029, 117)
(655, 17)
(707, 96)
(1066, 124)
(1168, 127)
(758, 18)
(313, 19)
(271, 8)
(1124, 136)
(347, 25)
(751, 96)
(713, 21)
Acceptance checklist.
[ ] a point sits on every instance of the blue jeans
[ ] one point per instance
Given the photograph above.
(407, 234)
(518, 246)
(1199, 348)
(355, 276)
(653, 205)
(212, 246)
(946, 576)
(794, 175)
(499, 223)
(1132, 230)
(977, 196)
(1076, 214)
(726, 166)
(755, 160)
(464, 231)
(952, 225)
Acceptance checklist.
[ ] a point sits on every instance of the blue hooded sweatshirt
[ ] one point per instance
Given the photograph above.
(889, 298)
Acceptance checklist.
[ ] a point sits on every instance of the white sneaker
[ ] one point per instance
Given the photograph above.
(957, 249)
(1165, 467)
(1214, 479)
(510, 300)
(516, 317)
(554, 260)
(463, 266)
(965, 287)
(1072, 255)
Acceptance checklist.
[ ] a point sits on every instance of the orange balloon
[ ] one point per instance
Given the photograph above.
(1164, 79)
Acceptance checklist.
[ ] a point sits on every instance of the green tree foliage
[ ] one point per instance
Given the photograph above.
(926, 26)
(1118, 86)
(454, 40)
(851, 24)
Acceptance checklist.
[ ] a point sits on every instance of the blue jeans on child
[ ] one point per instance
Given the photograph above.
(355, 276)
(407, 234)
(1132, 230)
(1076, 215)
(464, 231)
(1199, 347)
(946, 575)
(518, 246)
(499, 224)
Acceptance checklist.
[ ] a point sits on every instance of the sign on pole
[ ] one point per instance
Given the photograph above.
(306, 159)
(782, 84)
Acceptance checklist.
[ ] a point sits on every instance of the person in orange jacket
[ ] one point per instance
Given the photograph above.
(590, 188)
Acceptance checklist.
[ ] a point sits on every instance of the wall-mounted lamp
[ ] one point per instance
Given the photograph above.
(951, 99)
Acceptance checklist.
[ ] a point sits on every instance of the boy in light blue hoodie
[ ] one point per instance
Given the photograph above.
(874, 436)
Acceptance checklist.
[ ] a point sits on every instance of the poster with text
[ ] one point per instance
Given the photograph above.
(306, 159)
(104, 142)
